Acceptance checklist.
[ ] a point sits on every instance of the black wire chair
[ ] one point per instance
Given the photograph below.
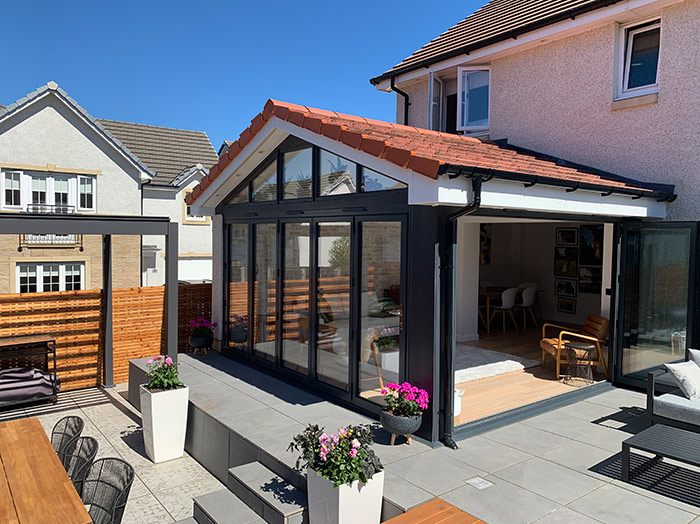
(106, 489)
(64, 434)
(79, 459)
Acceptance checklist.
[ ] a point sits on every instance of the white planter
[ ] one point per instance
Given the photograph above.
(358, 503)
(164, 421)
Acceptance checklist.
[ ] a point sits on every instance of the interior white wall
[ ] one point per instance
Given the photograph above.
(467, 282)
(608, 269)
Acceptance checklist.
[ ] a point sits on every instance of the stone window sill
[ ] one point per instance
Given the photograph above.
(635, 101)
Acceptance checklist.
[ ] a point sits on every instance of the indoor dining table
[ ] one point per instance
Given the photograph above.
(34, 486)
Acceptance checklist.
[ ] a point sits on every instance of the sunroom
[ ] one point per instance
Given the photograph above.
(348, 252)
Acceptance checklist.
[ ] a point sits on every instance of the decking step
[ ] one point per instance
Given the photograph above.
(223, 507)
(273, 498)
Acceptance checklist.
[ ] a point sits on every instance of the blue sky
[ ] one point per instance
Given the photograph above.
(212, 65)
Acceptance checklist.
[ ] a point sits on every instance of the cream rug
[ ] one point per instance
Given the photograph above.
(474, 363)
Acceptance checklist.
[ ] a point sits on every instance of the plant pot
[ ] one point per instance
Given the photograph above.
(400, 425)
(357, 503)
(199, 342)
(164, 421)
(239, 335)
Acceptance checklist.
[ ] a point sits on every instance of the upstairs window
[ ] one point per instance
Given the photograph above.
(86, 193)
(639, 59)
(188, 216)
(436, 97)
(38, 190)
(12, 189)
(473, 107)
(60, 191)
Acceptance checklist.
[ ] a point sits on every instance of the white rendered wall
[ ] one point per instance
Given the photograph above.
(467, 282)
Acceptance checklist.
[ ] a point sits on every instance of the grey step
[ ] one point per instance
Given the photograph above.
(223, 507)
(269, 495)
(188, 520)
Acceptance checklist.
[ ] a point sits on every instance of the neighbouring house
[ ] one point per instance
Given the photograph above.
(547, 146)
(56, 158)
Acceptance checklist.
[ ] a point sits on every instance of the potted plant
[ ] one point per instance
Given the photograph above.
(344, 478)
(239, 329)
(163, 410)
(202, 334)
(402, 413)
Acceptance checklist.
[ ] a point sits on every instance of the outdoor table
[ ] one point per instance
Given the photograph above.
(579, 366)
(34, 486)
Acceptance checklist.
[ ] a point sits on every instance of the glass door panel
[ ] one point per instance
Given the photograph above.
(380, 307)
(265, 291)
(333, 303)
(295, 297)
(657, 276)
(238, 286)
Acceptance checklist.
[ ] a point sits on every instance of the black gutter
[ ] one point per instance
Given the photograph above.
(405, 96)
(511, 34)
(448, 304)
(570, 185)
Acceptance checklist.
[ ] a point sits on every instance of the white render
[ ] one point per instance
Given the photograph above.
(164, 421)
(358, 503)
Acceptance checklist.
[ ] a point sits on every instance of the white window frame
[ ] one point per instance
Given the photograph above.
(48, 195)
(39, 270)
(5, 205)
(460, 71)
(625, 37)
(201, 220)
(94, 194)
(431, 104)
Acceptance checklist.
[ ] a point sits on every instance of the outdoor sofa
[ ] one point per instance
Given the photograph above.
(672, 408)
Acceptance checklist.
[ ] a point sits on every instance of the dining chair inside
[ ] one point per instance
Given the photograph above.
(506, 307)
(527, 304)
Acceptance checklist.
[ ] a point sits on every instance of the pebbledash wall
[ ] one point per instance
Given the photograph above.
(556, 98)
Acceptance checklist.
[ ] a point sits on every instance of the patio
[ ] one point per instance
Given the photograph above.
(560, 467)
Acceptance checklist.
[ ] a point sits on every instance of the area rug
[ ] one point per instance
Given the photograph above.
(474, 363)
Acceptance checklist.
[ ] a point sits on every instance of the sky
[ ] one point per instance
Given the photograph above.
(211, 66)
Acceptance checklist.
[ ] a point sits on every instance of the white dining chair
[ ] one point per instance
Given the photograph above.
(527, 303)
(506, 306)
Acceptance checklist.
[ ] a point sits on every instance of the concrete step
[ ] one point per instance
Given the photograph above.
(223, 507)
(269, 495)
(188, 520)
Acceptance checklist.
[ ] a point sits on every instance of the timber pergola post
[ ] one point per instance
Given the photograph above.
(106, 226)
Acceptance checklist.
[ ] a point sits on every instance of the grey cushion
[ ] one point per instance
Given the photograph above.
(694, 356)
(687, 376)
(677, 407)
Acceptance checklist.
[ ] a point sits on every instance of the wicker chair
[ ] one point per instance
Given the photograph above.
(79, 458)
(106, 489)
(64, 434)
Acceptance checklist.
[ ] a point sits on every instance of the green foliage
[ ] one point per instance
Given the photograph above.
(339, 253)
(162, 374)
(342, 458)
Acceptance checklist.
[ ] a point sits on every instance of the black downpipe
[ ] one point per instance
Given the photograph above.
(448, 292)
(406, 99)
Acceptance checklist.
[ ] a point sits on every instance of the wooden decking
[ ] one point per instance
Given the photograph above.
(492, 395)
(435, 512)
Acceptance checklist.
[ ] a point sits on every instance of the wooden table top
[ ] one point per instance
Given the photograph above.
(25, 340)
(437, 511)
(33, 478)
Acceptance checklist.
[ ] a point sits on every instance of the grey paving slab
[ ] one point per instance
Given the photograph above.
(179, 502)
(549, 480)
(488, 455)
(566, 516)
(260, 421)
(435, 471)
(620, 399)
(615, 505)
(527, 438)
(581, 457)
(502, 503)
(599, 414)
(611, 439)
(403, 493)
(562, 424)
(146, 510)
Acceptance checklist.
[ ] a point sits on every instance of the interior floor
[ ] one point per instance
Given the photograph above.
(496, 394)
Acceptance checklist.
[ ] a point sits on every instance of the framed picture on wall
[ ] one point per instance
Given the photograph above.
(566, 262)
(591, 245)
(567, 236)
(485, 244)
(566, 305)
(565, 287)
(590, 279)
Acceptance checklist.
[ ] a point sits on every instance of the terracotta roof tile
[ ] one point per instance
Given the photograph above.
(423, 151)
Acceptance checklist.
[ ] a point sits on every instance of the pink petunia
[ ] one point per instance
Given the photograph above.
(353, 452)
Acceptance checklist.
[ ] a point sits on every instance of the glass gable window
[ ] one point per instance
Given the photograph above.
(373, 181)
(265, 185)
(12, 189)
(240, 197)
(641, 58)
(473, 88)
(296, 173)
(336, 175)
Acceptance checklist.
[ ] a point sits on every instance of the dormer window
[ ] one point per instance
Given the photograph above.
(473, 104)
(639, 59)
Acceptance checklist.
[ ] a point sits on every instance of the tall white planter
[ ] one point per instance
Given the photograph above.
(358, 503)
(164, 421)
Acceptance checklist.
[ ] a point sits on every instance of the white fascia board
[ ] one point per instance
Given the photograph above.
(499, 194)
(621, 12)
(171, 189)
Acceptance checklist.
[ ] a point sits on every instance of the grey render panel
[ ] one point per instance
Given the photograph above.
(240, 451)
(194, 438)
(137, 376)
(214, 453)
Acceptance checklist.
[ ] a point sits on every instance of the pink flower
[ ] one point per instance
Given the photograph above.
(168, 361)
(334, 438)
(353, 452)
(150, 361)
(323, 439)
(355, 443)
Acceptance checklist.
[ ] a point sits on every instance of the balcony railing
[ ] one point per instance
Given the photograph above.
(51, 209)
(50, 240)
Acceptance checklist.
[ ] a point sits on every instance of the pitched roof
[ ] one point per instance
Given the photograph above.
(431, 153)
(167, 151)
(52, 87)
(496, 21)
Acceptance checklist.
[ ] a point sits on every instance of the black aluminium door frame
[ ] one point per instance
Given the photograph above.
(693, 333)
(402, 218)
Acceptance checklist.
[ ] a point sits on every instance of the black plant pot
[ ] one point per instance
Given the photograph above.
(200, 342)
(239, 335)
(400, 425)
